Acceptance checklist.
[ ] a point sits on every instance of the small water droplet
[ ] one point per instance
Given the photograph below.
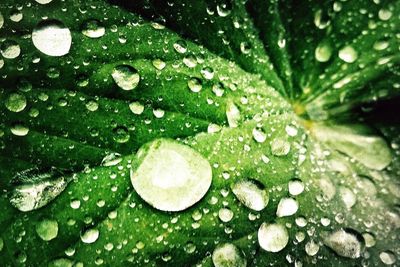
(259, 135)
(93, 29)
(90, 236)
(311, 248)
(348, 54)
(279, 146)
(225, 214)
(43, 2)
(273, 237)
(180, 46)
(387, 257)
(287, 206)
(62, 263)
(121, 134)
(348, 197)
(75, 204)
(232, 114)
(251, 194)
(136, 108)
(323, 52)
(111, 159)
(159, 64)
(19, 129)
(384, 14)
(228, 255)
(10, 49)
(195, 85)
(15, 102)
(47, 229)
(296, 187)
(126, 77)
(52, 38)
(171, 176)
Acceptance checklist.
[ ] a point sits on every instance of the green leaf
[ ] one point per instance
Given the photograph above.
(199, 133)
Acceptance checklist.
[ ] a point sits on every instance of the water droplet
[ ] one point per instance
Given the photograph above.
(16, 16)
(387, 257)
(345, 243)
(291, 130)
(207, 73)
(19, 129)
(92, 105)
(228, 255)
(34, 188)
(1, 244)
(90, 236)
(369, 239)
(121, 134)
(321, 19)
(384, 14)
(273, 237)
(75, 204)
(189, 248)
(251, 194)
(323, 52)
(136, 108)
(245, 47)
(111, 159)
(10, 49)
(126, 77)
(381, 45)
(159, 64)
(15, 102)
(348, 54)
(311, 248)
(195, 85)
(47, 229)
(43, 2)
(93, 29)
(296, 187)
(180, 46)
(62, 263)
(224, 8)
(348, 197)
(259, 135)
(190, 61)
(171, 176)
(287, 206)
(52, 38)
(279, 146)
(225, 214)
(232, 114)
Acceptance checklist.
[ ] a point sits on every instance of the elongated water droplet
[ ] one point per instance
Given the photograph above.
(47, 229)
(35, 189)
(346, 243)
(52, 38)
(232, 114)
(180, 46)
(387, 257)
(280, 147)
(228, 255)
(348, 54)
(171, 176)
(90, 236)
(259, 135)
(93, 29)
(273, 237)
(126, 77)
(251, 194)
(111, 159)
(287, 206)
(16, 102)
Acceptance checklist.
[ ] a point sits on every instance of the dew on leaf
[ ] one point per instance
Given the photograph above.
(232, 114)
(47, 229)
(228, 255)
(348, 197)
(62, 262)
(159, 64)
(224, 8)
(52, 37)
(296, 187)
(126, 77)
(287, 206)
(207, 73)
(93, 29)
(323, 52)
(180, 46)
(384, 14)
(75, 204)
(43, 2)
(273, 237)
(348, 54)
(1, 20)
(346, 243)
(387, 257)
(259, 135)
(251, 194)
(279, 146)
(195, 85)
(16, 102)
(171, 176)
(121, 134)
(311, 248)
(111, 159)
(34, 188)
(136, 108)
(225, 214)
(90, 236)
(10, 49)
(369, 239)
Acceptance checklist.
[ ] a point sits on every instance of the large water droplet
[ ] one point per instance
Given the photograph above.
(52, 38)
(90, 236)
(311, 248)
(195, 85)
(280, 147)
(346, 243)
(10, 49)
(225, 214)
(171, 176)
(136, 108)
(16, 102)
(126, 77)
(273, 237)
(93, 29)
(348, 197)
(259, 135)
(251, 194)
(35, 189)
(287, 206)
(47, 229)
(43, 2)
(111, 159)
(228, 255)
(296, 187)
(348, 54)
(323, 52)
(387, 257)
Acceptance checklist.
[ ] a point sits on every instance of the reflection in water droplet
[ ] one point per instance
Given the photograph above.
(93, 29)
(121, 134)
(15, 102)
(47, 229)
(10, 49)
(171, 176)
(52, 38)
(90, 236)
(348, 54)
(35, 188)
(280, 147)
(345, 243)
(126, 77)
(273, 237)
(287, 206)
(251, 194)
(228, 255)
